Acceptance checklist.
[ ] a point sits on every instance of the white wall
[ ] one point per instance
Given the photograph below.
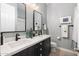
(54, 12)
(76, 25)
(75, 30)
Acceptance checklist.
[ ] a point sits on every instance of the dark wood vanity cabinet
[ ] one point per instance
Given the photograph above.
(46, 47)
(26, 52)
(42, 48)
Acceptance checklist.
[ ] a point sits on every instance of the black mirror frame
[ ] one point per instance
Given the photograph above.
(14, 31)
(34, 19)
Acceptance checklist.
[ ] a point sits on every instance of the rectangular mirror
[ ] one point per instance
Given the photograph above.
(37, 23)
(13, 17)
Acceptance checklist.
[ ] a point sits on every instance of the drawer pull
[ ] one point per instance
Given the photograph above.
(40, 43)
(40, 48)
(40, 54)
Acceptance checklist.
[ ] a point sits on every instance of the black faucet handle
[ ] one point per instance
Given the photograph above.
(17, 34)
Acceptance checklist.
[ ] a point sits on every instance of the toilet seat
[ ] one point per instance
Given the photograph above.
(53, 44)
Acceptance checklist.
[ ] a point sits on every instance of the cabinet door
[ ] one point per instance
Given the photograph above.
(37, 49)
(26, 52)
(49, 45)
(46, 47)
(30, 51)
(21, 53)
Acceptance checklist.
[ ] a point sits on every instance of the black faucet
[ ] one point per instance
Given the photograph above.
(17, 37)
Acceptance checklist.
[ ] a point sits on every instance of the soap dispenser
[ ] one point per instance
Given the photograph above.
(31, 33)
(44, 29)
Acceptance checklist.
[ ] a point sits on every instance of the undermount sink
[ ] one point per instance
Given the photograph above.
(24, 41)
(19, 43)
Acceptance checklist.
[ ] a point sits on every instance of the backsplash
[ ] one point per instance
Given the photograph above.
(8, 37)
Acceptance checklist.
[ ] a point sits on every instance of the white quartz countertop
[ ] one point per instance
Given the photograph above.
(14, 47)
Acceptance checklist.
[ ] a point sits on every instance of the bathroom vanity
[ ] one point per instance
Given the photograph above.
(41, 48)
(36, 46)
(14, 22)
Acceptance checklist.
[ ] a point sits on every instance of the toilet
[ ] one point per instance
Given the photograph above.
(53, 46)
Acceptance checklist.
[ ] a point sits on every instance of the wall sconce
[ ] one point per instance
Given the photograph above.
(33, 6)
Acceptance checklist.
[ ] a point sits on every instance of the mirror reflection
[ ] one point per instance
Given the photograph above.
(12, 17)
(37, 20)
